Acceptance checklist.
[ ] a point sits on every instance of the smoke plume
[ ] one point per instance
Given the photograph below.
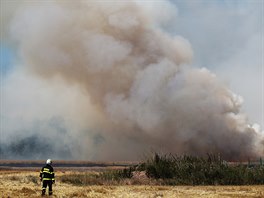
(136, 87)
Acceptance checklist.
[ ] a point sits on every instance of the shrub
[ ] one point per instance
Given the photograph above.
(117, 175)
(190, 170)
(176, 170)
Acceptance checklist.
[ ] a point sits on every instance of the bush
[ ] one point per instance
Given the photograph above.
(176, 170)
(117, 174)
(190, 170)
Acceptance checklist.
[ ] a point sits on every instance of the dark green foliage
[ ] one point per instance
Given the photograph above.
(160, 167)
(117, 174)
(176, 170)
(189, 170)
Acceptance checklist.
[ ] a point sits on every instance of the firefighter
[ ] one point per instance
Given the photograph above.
(47, 177)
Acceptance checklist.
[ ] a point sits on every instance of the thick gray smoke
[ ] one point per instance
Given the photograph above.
(140, 92)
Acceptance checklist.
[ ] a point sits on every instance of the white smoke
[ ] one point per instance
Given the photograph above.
(136, 80)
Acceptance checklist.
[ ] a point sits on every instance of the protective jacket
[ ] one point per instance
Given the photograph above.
(47, 173)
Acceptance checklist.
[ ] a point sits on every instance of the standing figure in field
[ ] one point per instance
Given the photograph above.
(47, 177)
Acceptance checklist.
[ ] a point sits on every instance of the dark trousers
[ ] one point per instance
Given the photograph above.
(46, 183)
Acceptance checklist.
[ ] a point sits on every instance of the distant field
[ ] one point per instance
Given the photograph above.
(17, 183)
(62, 165)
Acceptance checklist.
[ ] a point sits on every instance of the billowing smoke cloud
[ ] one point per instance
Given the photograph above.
(136, 89)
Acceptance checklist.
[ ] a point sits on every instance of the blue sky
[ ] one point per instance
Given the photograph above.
(7, 59)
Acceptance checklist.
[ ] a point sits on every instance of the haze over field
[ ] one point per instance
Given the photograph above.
(112, 80)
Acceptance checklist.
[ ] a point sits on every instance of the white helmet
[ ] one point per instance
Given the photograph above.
(48, 161)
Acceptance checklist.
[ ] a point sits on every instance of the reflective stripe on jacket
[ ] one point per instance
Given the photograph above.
(47, 173)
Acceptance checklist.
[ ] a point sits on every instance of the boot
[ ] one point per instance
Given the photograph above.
(50, 193)
(43, 192)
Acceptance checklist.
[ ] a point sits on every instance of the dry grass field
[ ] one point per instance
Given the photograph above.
(19, 183)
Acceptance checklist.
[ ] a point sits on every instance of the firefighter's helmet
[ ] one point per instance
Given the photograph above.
(48, 161)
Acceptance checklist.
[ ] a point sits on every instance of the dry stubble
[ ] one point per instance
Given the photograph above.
(26, 184)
